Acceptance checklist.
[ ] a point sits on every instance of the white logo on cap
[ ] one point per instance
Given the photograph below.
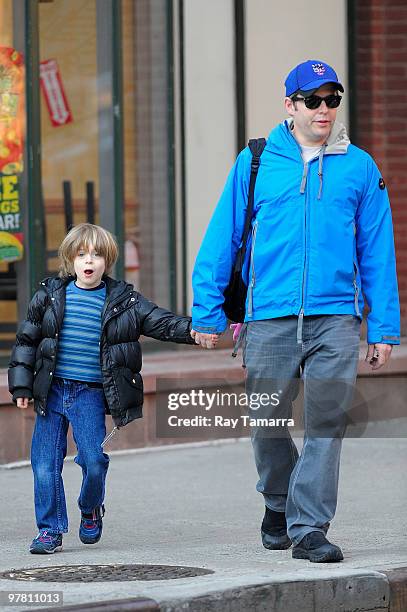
(319, 69)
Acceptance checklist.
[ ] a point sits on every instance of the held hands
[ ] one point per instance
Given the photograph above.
(378, 354)
(22, 402)
(208, 341)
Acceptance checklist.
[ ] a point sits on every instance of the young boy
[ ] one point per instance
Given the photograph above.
(77, 354)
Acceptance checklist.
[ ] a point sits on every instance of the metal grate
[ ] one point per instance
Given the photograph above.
(104, 573)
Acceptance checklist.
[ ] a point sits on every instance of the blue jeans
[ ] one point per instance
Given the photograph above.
(305, 487)
(74, 403)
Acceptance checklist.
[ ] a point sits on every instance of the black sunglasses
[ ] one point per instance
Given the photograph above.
(313, 102)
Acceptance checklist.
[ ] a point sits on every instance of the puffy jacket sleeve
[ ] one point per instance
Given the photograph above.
(21, 367)
(162, 324)
(377, 261)
(218, 250)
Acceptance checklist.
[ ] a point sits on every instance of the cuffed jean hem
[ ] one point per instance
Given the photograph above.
(88, 509)
(296, 539)
(277, 504)
(53, 531)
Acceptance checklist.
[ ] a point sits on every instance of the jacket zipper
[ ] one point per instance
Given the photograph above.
(104, 322)
(253, 275)
(304, 273)
(356, 288)
(108, 303)
(113, 314)
(107, 319)
(54, 312)
(355, 282)
(51, 300)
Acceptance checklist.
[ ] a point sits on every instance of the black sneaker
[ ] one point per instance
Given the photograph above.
(274, 531)
(316, 548)
(90, 529)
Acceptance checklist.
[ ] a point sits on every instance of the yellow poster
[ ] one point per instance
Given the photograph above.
(11, 236)
(12, 116)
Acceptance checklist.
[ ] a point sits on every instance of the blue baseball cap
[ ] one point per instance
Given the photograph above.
(309, 76)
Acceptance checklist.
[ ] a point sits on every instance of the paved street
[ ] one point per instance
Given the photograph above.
(197, 506)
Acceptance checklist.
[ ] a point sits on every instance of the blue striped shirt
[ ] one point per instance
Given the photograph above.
(78, 355)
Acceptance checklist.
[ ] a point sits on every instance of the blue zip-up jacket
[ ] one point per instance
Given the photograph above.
(322, 237)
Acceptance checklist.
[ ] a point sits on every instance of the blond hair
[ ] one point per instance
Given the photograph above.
(84, 236)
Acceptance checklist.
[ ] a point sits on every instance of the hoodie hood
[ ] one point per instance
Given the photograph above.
(282, 142)
(282, 138)
(338, 141)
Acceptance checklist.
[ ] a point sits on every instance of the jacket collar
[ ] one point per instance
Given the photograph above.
(282, 142)
(337, 142)
(54, 283)
(114, 288)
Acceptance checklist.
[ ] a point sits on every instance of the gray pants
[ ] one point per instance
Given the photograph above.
(305, 487)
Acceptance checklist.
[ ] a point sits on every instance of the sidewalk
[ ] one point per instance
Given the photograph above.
(197, 506)
(194, 364)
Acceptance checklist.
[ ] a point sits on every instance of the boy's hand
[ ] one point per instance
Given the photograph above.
(22, 402)
(208, 341)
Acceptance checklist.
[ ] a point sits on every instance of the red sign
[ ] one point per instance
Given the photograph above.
(51, 85)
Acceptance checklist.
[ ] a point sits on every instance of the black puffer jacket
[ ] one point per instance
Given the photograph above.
(126, 315)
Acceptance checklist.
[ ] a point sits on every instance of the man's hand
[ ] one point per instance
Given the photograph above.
(378, 354)
(22, 402)
(208, 341)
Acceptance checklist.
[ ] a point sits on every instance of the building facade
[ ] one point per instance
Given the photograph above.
(131, 113)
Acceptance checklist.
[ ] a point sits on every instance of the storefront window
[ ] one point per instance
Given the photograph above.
(147, 104)
(12, 136)
(131, 212)
(69, 118)
(74, 137)
(78, 140)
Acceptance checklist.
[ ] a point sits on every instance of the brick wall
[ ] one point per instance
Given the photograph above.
(381, 110)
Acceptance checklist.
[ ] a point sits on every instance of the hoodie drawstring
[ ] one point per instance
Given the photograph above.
(304, 178)
(320, 173)
(240, 339)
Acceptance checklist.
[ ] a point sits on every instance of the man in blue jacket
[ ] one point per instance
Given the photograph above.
(322, 238)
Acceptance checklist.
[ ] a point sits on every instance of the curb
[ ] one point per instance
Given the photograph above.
(397, 579)
(376, 591)
(358, 593)
(116, 605)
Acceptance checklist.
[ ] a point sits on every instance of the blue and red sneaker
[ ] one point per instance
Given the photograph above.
(46, 543)
(90, 529)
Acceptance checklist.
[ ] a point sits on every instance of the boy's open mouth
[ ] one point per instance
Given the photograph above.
(88, 272)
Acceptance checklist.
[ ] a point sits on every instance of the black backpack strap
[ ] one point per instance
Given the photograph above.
(256, 146)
